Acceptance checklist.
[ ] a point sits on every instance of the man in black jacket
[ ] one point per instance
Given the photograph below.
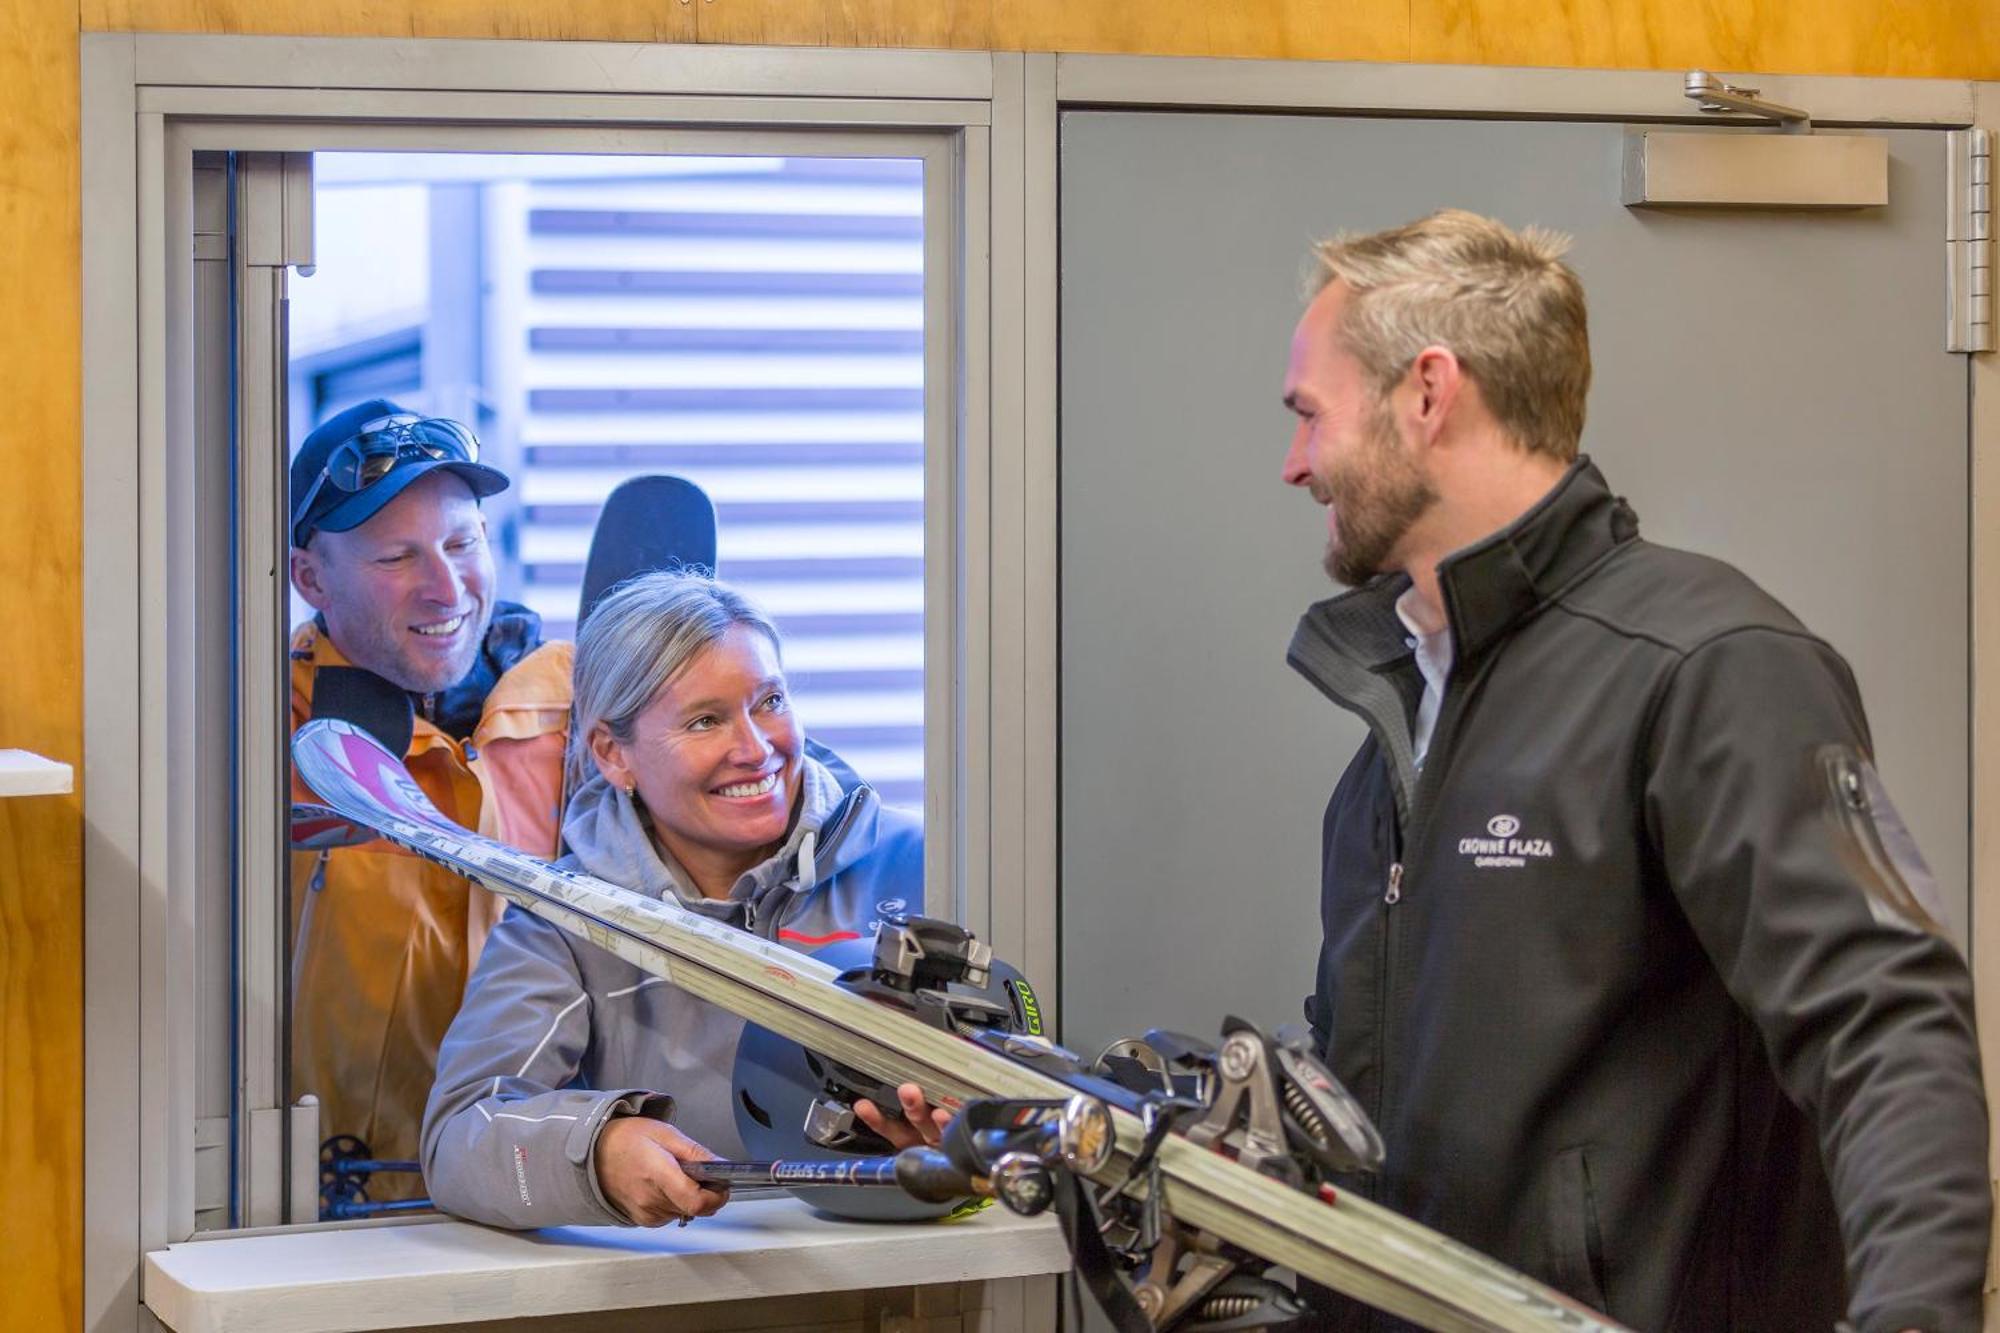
(1625, 947)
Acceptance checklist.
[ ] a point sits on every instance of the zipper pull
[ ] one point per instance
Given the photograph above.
(808, 870)
(1395, 893)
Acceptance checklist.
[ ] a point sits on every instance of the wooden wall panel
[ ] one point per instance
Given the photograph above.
(41, 704)
(1291, 29)
(552, 20)
(1931, 38)
(962, 24)
(1935, 39)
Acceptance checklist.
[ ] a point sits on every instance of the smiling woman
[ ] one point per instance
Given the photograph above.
(682, 705)
(694, 780)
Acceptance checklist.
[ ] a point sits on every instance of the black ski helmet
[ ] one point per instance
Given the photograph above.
(791, 1103)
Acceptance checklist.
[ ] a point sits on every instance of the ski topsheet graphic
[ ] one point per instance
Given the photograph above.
(1336, 1238)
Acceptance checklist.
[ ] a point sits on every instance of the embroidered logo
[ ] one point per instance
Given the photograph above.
(892, 907)
(1504, 847)
(521, 1174)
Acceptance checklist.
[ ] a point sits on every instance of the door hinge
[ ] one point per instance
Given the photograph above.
(1968, 241)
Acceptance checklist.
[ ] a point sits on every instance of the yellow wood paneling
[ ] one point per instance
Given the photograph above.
(1294, 29)
(592, 20)
(964, 24)
(41, 706)
(40, 431)
(1933, 39)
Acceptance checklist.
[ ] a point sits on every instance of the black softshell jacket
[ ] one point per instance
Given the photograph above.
(1631, 975)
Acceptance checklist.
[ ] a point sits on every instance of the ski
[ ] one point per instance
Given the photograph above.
(1335, 1238)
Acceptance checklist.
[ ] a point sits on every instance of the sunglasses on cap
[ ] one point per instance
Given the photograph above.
(374, 450)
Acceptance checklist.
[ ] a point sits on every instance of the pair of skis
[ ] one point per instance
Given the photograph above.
(1344, 1242)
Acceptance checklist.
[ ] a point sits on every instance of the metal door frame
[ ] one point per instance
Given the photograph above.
(1059, 83)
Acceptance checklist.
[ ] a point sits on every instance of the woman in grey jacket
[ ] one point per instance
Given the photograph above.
(559, 1077)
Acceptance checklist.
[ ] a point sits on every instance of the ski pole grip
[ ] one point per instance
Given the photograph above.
(928, 1175)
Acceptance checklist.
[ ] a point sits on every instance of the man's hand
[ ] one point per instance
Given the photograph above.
(639, 1169)
(921, 1122)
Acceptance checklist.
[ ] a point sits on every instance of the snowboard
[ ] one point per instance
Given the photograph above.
(647, 523)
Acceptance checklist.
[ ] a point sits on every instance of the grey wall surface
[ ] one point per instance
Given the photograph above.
(1770, 388)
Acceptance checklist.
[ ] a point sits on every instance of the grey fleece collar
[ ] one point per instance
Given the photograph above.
(610, 836)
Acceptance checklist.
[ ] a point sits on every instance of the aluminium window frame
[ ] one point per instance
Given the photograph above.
(150, 105)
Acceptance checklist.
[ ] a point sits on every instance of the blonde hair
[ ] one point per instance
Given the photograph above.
(642, 635)
(1501, 301)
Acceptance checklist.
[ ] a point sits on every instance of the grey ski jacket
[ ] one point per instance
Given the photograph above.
(557, 1036)
(1636, 974)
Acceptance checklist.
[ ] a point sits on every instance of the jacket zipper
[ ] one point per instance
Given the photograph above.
(1392, 894)
(842, 814)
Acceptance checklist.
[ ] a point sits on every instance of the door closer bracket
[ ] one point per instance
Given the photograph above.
(1712, 95)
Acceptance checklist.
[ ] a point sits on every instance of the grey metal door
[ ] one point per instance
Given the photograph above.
(1771, 389)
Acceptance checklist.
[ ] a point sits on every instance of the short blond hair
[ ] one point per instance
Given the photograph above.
(1502, 301)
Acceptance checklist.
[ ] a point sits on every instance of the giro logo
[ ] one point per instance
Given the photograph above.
(1504, 848)
(892, 907)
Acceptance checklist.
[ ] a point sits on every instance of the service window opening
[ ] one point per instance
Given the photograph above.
(753, 326)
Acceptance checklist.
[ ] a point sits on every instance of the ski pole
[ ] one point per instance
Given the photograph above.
(923, 1173)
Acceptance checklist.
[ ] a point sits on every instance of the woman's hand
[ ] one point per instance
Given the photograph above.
(921, 1123)
(639, 1169)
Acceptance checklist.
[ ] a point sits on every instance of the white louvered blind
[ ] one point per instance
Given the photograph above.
(755, 326)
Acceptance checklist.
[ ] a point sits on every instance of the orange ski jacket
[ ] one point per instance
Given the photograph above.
(382, 941)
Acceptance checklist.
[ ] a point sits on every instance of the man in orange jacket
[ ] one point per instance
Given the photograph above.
(389, 548)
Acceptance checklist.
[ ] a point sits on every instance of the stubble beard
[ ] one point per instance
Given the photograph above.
(406, 671)
(1375, 501)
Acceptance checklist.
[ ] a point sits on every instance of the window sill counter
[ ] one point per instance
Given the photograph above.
(23, 773)
(437, 1271)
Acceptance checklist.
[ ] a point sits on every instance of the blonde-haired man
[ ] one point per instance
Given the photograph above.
(1625, 947)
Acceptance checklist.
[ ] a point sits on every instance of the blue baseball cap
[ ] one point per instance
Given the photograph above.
(360, 459)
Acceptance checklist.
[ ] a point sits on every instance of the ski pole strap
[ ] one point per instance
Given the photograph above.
(1093, 1258)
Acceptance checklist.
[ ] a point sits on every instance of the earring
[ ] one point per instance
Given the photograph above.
(632, 789)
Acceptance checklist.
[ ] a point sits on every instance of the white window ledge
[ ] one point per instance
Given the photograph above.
(25, 774)
(445, 1272)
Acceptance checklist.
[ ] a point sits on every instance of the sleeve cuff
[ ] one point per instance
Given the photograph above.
(613, 1106)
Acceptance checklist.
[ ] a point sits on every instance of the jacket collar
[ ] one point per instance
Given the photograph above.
(1490, 585)
(1355, 649)
(455, 711)
(610, 835)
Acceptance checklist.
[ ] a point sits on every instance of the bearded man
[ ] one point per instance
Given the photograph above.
(1626, 949)
(389, 548)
